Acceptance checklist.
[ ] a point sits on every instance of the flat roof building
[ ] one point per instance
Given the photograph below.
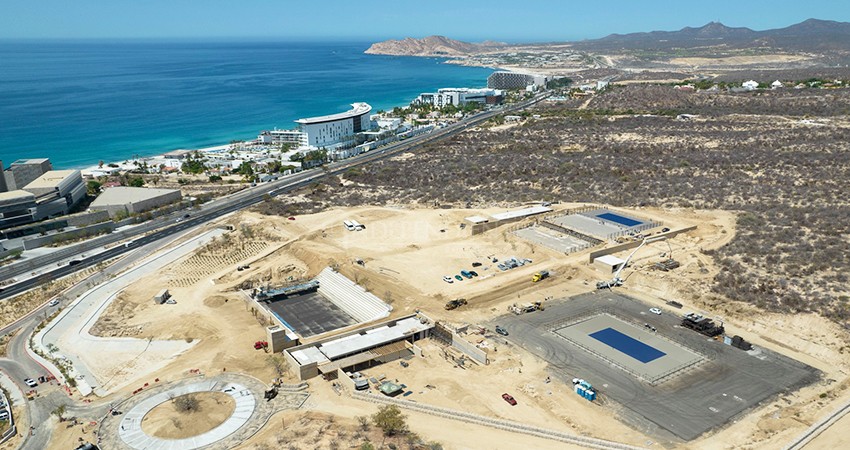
(333, 129)
(16, 208)
(515, 80)
(131, 200)
(64, 185)
(460, 96)
(23, 171)
(358, 348)
(521, 213)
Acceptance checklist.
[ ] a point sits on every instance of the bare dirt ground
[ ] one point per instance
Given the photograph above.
(406, 251)
(168, 421)
(737, 60)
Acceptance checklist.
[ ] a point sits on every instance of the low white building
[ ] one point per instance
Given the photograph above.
(608, 263)
(387, 123)
(460, 96)
(750, 85)
(294, 137)
(133, 199)
(776, 85)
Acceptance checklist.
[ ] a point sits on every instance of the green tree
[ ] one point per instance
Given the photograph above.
(136, 182)
(194, 164)
(390, 420)
(214, 178)
(93, 187)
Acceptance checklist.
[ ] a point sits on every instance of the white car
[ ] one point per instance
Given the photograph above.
(30, 382)
(655, 311)
(448, 279)
(53, 302)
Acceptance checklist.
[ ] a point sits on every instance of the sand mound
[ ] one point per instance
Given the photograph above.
(170, 421)
(215, 301)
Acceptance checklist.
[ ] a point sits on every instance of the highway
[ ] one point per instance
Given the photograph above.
(147, 238)
(166, 226)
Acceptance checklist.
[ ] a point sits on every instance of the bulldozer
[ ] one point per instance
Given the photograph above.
(454, 304)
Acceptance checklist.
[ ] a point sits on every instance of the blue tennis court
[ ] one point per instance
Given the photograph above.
(628, 345)
(616, 218)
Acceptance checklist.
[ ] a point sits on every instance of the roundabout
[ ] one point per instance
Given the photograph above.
(133, 435)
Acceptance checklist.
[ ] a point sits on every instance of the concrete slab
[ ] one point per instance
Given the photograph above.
(552, 239)
(311, 314)
(673, 357)
(700, 398)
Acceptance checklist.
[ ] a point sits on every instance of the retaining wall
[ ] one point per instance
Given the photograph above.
(78, 233)
(633, 244)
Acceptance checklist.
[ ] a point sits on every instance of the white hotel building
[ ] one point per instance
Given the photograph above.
(324, 131)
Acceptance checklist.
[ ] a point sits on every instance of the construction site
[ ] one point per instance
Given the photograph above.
(587, 342)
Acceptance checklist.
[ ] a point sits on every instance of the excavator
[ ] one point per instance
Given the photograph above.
(454, 304)
(616, 280)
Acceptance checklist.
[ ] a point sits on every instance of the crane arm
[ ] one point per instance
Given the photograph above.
(626, 263)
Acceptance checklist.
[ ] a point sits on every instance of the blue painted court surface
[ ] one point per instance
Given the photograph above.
(616, 218)
(628, 345)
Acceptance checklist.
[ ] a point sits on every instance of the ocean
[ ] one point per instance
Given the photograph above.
(78, 103)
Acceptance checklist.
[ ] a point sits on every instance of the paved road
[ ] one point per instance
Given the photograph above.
(20, 365)
(167, 226)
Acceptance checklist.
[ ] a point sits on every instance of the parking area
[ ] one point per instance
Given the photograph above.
(310, 314)
(715, 384)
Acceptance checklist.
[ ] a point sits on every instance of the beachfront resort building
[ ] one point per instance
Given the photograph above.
(329, 132)
(514, 80)
(16, 208)
(22, 172)
(460, 97)
(133, 200)
(53, 193)
(333, 129)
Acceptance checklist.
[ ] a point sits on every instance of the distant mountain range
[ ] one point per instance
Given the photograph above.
(810, 35)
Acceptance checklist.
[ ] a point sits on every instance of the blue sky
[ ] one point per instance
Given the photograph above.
(505, 20)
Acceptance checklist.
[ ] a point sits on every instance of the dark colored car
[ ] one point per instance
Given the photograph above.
(509, 398)
(473, 273)
(458, 278)
(501, 330)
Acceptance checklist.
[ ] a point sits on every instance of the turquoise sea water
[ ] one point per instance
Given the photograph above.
(81, 102)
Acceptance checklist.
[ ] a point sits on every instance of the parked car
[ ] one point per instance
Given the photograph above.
(656, 311)
(53, 302)
(476, 264)
(509, 398)
(473, 273)
(448, 279)
(458, 278)
(466, 273)
(30, 382)
(291, 218)
(501, 330)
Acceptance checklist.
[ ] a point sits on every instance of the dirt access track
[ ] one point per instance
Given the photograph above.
(402, 256)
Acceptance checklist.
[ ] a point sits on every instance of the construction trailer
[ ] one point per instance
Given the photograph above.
(161, 297)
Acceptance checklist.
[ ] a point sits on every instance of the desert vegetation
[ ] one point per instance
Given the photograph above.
(779, 158)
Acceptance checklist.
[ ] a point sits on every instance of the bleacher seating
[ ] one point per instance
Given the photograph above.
(351, 297)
